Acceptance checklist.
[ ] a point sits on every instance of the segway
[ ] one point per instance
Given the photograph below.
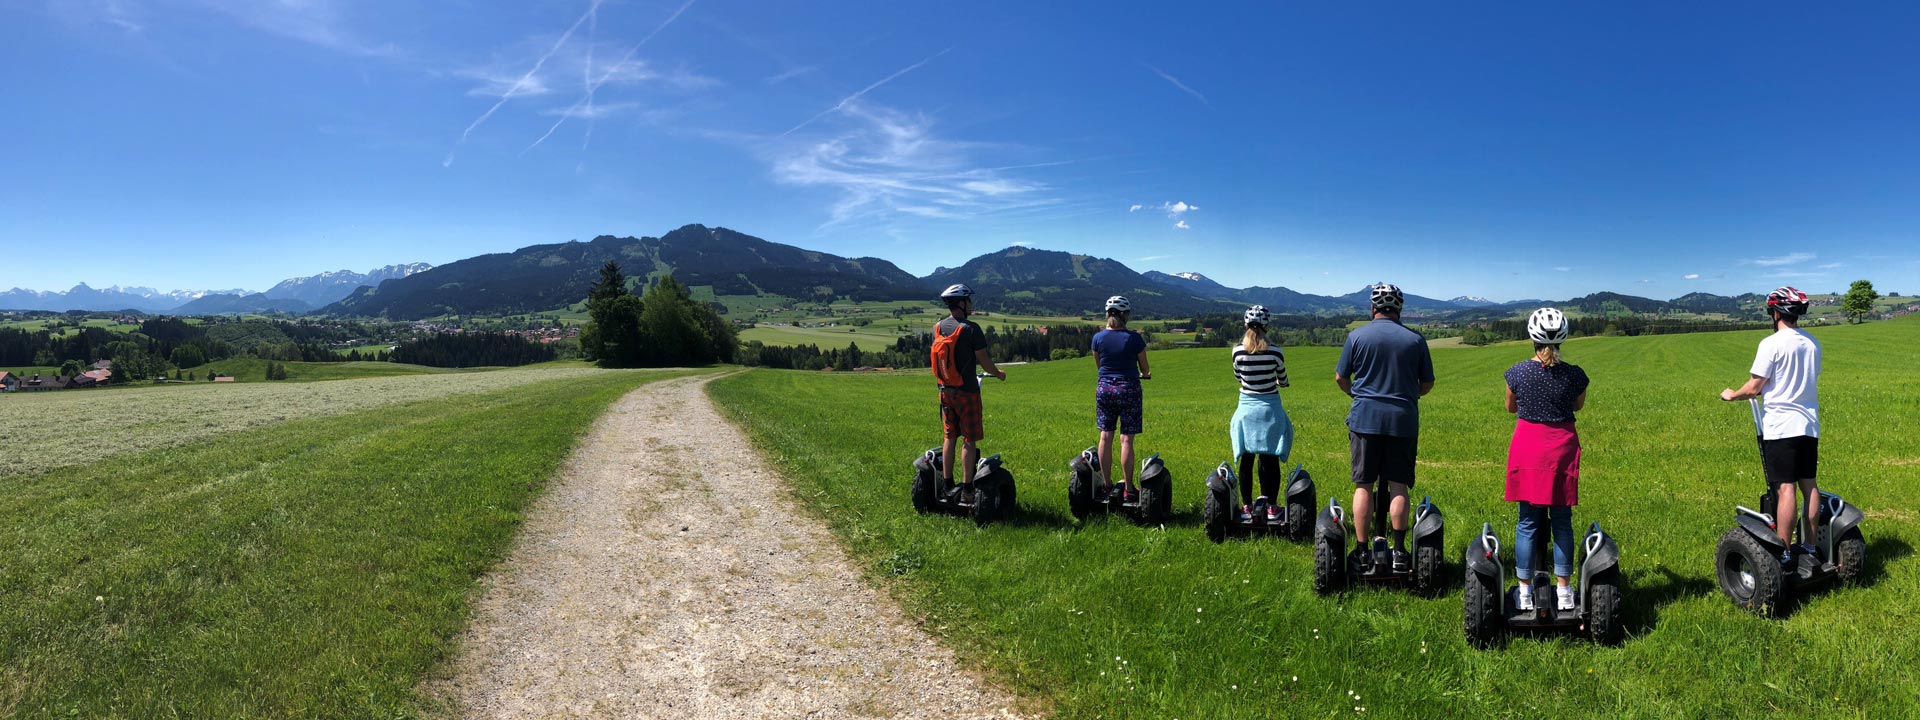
(1596, 610)
(992, 497)
(1087, 494)
(1334, 569)
(1747, 561)
(1221, 515)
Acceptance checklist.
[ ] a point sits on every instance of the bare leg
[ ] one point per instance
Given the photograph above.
(946, 460)
(1397, 509)
(1106, 457)
(1362, 512)
(1126, 456)
(972, 458)
(1811, 490)
(1785, 505)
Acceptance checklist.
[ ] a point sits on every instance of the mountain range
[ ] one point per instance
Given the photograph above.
(1018, 280)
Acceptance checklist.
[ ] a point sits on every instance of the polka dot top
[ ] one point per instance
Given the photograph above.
(1546, 394)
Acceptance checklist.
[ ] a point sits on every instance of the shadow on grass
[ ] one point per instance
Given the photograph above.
(1648, 592)
(1881, 551)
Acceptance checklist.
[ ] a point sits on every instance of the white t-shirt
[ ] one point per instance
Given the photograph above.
(1790, 361)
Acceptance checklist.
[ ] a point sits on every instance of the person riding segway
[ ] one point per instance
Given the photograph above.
(1761, 559)
(959, 346)
(1386, 368)
(1262, 434)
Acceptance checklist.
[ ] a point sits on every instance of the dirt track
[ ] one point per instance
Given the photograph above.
(666, 574)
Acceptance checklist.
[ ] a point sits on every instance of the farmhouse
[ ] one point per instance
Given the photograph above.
(7, 381)
(37, 383)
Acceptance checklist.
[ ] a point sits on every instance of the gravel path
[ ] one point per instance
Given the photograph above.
(666, 574)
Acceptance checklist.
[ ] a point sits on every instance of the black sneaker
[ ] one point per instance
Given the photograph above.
(1362, 559)
(1786, 558)
(1402, 561)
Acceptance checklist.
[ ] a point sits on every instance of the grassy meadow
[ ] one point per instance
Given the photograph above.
(315, 563)
(1106, 619)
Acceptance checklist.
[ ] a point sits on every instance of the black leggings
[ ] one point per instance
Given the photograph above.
(1269, 476)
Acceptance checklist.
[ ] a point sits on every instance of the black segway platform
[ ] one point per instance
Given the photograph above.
(1598, 604)
(1747, 561)
(1334, 568)
(992, 497)
(1221, 515)
(1087, 495)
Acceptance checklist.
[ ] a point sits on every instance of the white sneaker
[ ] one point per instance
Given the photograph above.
(1565, 594)
(1524, 598)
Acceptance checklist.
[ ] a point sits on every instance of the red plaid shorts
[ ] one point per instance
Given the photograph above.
(961, 414)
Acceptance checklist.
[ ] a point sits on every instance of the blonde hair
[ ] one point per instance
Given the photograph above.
(1113, 315)
(1255, 341)
(1547, 355)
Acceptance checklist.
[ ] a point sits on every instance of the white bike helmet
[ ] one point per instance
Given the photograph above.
(1387, 298)
(1119, 303)
(1547, 326)
(956, 291)
(1258, 315)
(1788, 301)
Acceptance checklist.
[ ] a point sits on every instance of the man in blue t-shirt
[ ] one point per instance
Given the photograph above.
(1386, 368)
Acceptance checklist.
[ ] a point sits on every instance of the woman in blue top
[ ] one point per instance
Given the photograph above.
(1122, 357)
(1543, 460)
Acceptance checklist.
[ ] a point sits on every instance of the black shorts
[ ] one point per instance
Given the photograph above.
(1382, 458)
(1789, 460)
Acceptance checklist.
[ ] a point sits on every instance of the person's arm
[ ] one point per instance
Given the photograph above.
(1341, 367)
(987, 363)
(1513, 404)
(1426, 369)
(1280, 369)
(1145, 374)
(1345, 383)
(1754, 387)
(1578, 403)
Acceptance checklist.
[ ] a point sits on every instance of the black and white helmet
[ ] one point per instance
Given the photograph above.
(1547, 326)
(1119, 303)
(1258, 316)
(956, 291)
(1387, 298)
(1788, 300)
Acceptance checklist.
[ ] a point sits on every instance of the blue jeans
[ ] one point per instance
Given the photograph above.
(1561, 518)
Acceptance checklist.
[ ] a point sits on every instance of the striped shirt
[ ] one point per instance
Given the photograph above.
(1260, 373)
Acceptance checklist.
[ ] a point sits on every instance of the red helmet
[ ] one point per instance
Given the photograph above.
(1787, 301)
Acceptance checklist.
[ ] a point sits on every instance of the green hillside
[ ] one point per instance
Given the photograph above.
(1110, 620)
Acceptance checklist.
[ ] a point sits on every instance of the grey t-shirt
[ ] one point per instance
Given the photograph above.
(1387, 363)
(970, 340)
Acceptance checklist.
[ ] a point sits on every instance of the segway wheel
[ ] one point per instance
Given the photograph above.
(923, 492)
(1850, 555)
(1329, 573)
(1213, 514)
(986, 503)
(1749, 575)
(1299, 521)
(1008, 502)
(1426, 571)
(1604, 606)
(1080, 497)
(1152, 497)
(1483, 610)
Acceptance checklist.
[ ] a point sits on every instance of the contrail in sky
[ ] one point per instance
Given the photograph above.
(592, 8)
(865, 90)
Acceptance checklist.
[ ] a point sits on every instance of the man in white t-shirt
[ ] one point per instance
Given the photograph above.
(1785, 376)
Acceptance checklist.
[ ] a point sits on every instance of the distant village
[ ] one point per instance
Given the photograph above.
(101, 372)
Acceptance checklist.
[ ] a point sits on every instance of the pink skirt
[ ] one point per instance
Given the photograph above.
(1543, 464)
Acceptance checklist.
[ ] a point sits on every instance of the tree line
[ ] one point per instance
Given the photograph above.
(663, 327)
(476, 349)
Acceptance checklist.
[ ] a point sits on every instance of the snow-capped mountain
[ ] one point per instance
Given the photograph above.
(1472, 301)
(84, 297)
(330, 287)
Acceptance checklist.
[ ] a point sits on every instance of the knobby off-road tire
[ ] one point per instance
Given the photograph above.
(923, 492)
(1850, 555)
(1735, 548)
(1483, 621)
(1153, 496)
(1213, 515)
(986, 504)
(1426, 571)
(1009, 503)
(1080, 497)
(1329, 569)
(1604, 600)
(1299, 521)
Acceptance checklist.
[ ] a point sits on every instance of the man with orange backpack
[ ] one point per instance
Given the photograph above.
(958, 347)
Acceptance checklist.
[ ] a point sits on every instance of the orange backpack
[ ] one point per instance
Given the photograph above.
(946, 370)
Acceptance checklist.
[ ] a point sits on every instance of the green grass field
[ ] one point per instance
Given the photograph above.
(1107, 620)
(255, 370)
(309, 568)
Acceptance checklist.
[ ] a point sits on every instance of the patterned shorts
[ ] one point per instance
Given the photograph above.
(1117, 401)
(961, 414)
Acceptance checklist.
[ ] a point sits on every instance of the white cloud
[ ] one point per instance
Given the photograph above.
(1691, 276)
(1136, 206)
(1778, 260)
(1563, 268)
(1151, 258)
(1022, 243)
(1183, 86)
(1182, 225)
(790, 73)
(1830, 266)
(885, 162)
(1177, 208)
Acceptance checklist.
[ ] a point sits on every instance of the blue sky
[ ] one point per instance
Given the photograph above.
(1505, 151)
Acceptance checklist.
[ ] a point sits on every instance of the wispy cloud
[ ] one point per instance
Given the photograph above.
(1135, 207)
(1563, 268)
(626, 70)
(1151, 258)
(790, 73)
(1021, 243)
(850, 99)
(1183, 86)
(885, 162)
(1779, 260)
(1690, 276)
(526, 78)
(1830, 266)
(1182, 225)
